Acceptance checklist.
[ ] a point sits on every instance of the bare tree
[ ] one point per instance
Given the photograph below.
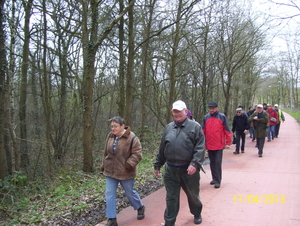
(130, 63)
(3, 67)
(91, 44)
(23, 88)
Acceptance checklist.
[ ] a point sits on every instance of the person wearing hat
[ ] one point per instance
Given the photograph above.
(240, 127)
(281, 118)
(190, 115)
(260, 119)
(265, 106)
(217, 137)
(181, 151)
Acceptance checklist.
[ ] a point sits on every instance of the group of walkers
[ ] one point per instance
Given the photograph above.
(261, 121)
(182, 152)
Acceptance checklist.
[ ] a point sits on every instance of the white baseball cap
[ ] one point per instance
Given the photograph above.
(179, 105)
(259, 106)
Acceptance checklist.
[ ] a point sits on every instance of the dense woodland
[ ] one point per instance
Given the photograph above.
(67, 66)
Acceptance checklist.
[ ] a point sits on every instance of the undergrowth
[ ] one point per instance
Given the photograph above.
(72, 196)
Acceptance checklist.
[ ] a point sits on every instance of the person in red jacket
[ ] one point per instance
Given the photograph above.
(217, 137)
(273, 120)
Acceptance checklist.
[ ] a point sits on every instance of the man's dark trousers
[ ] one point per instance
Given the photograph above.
(215, 158)
(240, 135)
(174, 179)
(260, 145)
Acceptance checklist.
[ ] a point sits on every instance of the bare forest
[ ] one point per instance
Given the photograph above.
(67, 66)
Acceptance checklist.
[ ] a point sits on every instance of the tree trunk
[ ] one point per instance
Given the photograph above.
(23, 87)
(121, 100)
(47, 107)
(145, 59)
(172, 94)
(130, 65)
(3, 66)
(89, 53)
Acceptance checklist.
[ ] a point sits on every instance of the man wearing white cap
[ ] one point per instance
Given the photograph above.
(182, 152)
(260, 120)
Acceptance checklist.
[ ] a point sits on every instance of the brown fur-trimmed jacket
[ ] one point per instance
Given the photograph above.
(122, 164)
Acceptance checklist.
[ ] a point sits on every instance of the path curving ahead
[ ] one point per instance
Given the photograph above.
(254, 191)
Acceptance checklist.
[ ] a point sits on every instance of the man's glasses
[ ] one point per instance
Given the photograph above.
(238, 112)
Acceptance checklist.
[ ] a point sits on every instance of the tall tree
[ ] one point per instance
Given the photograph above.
(90, 46)
(46, 94)
(174, 59)
(3, 65)
(148, 20)
(130, 64)
(122, 61)
(23, 87)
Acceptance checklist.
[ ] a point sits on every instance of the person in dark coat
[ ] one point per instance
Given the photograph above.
(181, 152)
(260, 120)
(240, 127)
(251, 129)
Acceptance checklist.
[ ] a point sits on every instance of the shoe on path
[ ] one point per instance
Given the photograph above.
(112, 222)
(197, 219)
(217, 185)
(141, 213)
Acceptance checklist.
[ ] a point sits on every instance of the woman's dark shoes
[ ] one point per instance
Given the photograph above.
(112, 222)
(141, 213)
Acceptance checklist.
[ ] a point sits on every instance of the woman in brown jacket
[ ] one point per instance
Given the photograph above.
(123, 151)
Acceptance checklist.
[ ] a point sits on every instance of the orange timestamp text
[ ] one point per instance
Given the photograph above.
(259, 198)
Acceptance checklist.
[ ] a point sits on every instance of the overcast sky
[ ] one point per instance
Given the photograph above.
(282, 15)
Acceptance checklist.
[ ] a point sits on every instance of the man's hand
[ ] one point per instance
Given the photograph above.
(157, 173)
(191, 170)
(227, 146)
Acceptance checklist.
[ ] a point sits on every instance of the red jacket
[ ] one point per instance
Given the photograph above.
(272, 113)
(216, 130)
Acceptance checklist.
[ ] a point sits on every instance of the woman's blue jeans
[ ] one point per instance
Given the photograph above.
(111, 193)
(271, 132)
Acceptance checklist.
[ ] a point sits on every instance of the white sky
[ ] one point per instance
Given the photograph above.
(282, 29)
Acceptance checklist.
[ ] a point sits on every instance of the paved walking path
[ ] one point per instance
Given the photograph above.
(254, 191)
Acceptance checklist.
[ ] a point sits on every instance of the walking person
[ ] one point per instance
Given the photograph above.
(217, 137)
(273, 120)
(240, 127)
(181, 151)
(281, 118)
(251, 129)
(122, 153)
(260, 120)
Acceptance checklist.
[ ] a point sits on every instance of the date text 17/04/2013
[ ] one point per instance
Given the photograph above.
(259, 198)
